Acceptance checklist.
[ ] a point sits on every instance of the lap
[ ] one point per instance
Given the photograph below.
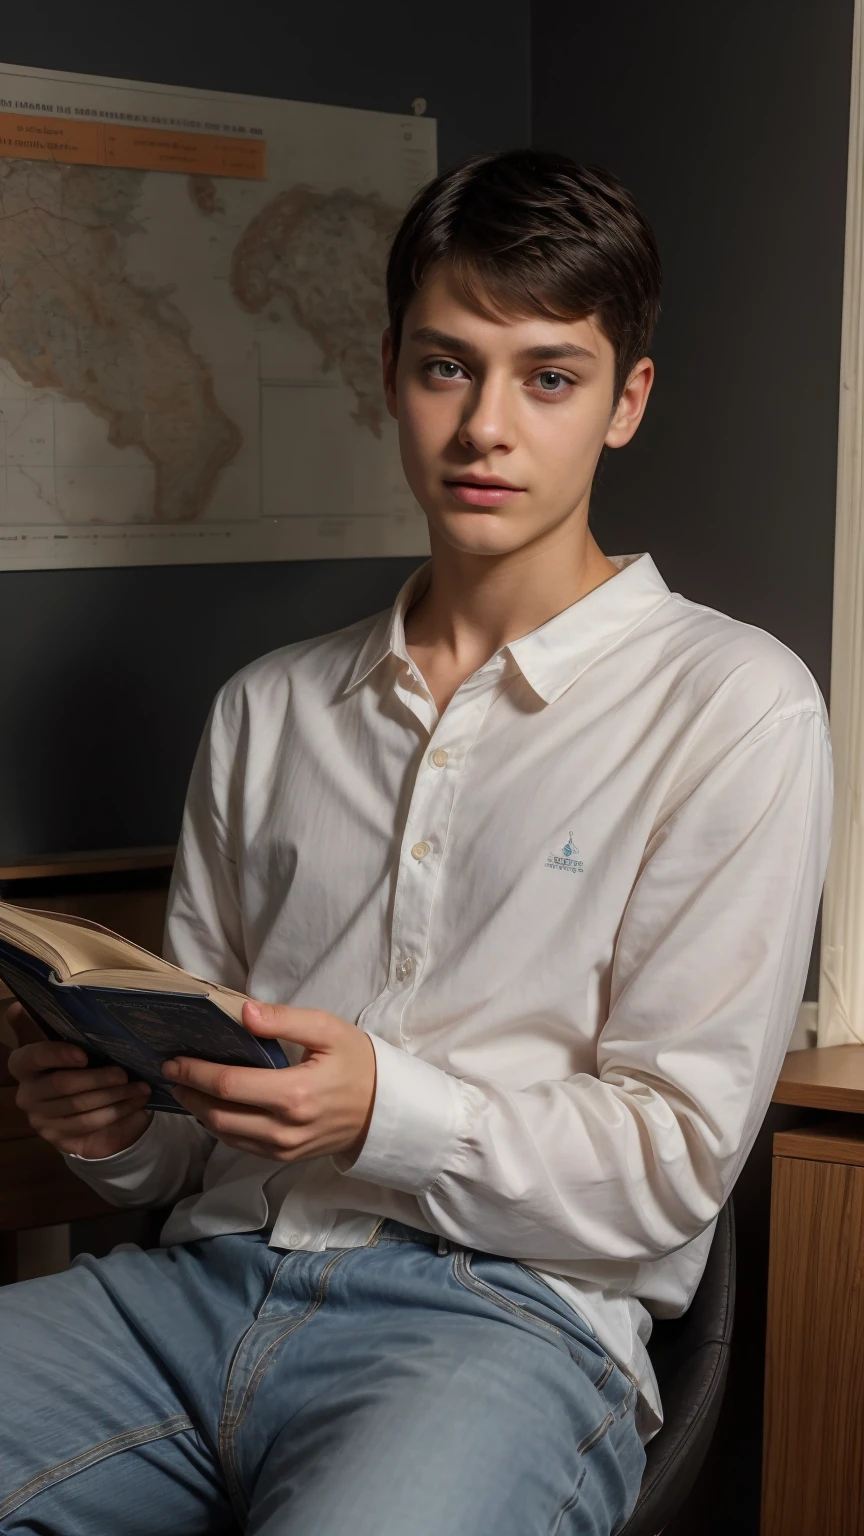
(450, 1395)
(109, 1377)
(220, 1384)
(467, 1445)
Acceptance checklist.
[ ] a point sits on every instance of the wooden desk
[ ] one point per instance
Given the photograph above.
(830, 1078)
(813, 1446)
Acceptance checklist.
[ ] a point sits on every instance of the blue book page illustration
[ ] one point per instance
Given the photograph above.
(136, 1030)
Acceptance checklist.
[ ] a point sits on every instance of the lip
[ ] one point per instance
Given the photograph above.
(476, 492)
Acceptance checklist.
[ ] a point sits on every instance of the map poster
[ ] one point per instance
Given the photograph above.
(191, 309)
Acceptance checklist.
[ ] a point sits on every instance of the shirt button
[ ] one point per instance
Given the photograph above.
(420, 850)
(294, 1239)
(439, 757)
(404, 969)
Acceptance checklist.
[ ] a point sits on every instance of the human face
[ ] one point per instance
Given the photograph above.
(502, 420)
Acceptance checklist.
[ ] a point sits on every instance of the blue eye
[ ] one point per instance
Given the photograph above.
(550, 381)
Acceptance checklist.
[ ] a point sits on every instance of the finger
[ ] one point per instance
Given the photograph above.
(83, 1103)
(57, 1085)
(217, 1114)
(59, 1131)
(276, 1154)
(312, 1027)
(246, 1137)
(43, 1057)
(289, 1146)
(266, 1135)
(241, 1085)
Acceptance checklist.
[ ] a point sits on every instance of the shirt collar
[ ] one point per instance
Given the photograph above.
(552, 657)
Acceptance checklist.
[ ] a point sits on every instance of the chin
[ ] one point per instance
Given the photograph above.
(481, 541)
(481, 533)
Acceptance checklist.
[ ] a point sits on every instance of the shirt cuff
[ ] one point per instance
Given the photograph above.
(140, 1173)
(417, 1111)
(118, 1161)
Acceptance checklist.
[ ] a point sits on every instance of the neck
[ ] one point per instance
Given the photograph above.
(474, 604)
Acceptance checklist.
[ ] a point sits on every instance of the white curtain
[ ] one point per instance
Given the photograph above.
(841, 981)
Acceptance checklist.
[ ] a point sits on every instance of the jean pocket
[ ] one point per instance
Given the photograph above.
(506, 1285)
(515, 1290)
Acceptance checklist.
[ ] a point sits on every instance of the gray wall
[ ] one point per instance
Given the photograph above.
(729, 124)
(106, 676)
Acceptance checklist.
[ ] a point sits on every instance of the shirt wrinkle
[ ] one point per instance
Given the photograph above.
(457, 895)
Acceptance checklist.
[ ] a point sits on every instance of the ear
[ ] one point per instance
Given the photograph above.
(631, 406)
(388, 365)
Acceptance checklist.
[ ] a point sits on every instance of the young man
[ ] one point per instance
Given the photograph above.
(409, 1282)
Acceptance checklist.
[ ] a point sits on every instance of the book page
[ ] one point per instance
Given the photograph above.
(177, 982)
(72, 947)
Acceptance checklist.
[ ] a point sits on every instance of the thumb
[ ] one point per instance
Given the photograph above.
(302, 1026)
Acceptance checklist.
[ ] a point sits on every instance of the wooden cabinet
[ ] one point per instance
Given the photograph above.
(814, 1392)
(813, 1443)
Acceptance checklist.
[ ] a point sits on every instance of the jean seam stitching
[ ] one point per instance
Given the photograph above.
(610, 1366)
(224, 1449)
(128, 1440)
(596, 1435)
(232, 1419)
(246, 1332)
(569, 1503)
(463, 1272)
(534, 1274)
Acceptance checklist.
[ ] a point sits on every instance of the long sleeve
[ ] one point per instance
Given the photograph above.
(203, 935)
(708, 973)
(164, 1164)
(203, 926)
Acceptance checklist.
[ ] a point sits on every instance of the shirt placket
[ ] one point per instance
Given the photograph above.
(304, 1219)
(425, 836)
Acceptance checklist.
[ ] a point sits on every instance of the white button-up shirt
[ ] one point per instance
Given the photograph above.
(570, 1072)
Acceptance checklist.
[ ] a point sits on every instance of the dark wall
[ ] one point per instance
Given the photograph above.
(729, 124)
(106, 675)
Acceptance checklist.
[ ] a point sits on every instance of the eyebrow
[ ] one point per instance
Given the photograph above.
(549, 353)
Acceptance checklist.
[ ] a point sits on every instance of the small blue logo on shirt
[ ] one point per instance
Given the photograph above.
(567, 858)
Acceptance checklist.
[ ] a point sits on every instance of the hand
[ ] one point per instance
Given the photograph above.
(93, 1113)
(321, 1106)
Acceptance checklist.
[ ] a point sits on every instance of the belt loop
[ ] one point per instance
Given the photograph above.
(443, 1245)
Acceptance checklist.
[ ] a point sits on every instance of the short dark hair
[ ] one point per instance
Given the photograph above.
(533, 233)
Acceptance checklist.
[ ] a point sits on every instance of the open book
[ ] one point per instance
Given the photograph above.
(82, 983)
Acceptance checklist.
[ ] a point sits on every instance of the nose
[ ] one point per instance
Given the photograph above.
(488, 422)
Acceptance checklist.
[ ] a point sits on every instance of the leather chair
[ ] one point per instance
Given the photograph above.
(690, 1355)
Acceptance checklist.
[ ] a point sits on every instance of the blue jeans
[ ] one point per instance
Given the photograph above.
(388, 1390)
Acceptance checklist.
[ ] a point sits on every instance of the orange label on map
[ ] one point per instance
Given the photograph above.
(132, 149)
